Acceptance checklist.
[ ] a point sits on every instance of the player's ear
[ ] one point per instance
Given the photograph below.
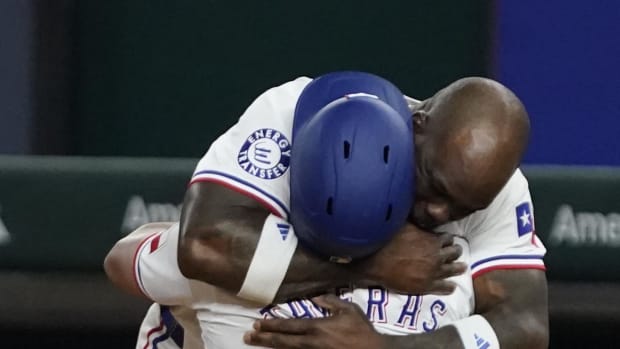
(420, 117)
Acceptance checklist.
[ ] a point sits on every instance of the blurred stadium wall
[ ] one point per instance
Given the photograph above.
(561, 58)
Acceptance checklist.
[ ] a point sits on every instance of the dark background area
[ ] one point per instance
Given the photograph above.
(164, 79)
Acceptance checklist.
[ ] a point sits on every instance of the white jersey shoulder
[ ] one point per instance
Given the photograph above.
(253, 156)
(503, 236)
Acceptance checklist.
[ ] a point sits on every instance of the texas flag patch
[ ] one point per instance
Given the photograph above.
(525, 219)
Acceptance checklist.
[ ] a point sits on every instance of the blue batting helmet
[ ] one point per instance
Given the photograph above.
(352, 164)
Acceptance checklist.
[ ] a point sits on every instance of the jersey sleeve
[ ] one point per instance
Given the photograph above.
(253, 156)
(156, 269)
(503, 236)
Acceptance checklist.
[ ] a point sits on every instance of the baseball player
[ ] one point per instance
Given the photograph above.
(380, 217)
(499, 230)
(469, 140)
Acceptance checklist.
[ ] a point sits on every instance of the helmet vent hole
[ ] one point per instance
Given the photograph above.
(386, 153)
(388, 214)
(347, 149)
(330, 209)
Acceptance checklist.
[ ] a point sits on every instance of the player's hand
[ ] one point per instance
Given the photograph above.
(416, 262)
(347, 327)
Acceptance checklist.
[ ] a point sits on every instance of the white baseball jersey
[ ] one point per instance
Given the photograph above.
(154, 333)
(252, 158)
(169, 327)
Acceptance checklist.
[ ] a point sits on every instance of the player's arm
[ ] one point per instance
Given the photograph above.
(145, 264)
(118, 263)
(512, 302)
(515, 304)
(221, 228)
(220, 231)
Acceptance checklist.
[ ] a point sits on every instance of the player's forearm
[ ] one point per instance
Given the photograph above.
(512, 302)
(308, 275)
(213, 256)
(519, 329)
(219, 234)
(513, 330)
(222, 255)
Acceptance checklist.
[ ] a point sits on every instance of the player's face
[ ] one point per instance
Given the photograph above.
(459, 169)
(445, 190)
(439, 198)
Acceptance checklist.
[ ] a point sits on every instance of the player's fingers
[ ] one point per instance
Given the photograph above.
(451, 253)
(446, 239)
(275, 340)
(331, 302)
(452, 269)
(290, 326)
